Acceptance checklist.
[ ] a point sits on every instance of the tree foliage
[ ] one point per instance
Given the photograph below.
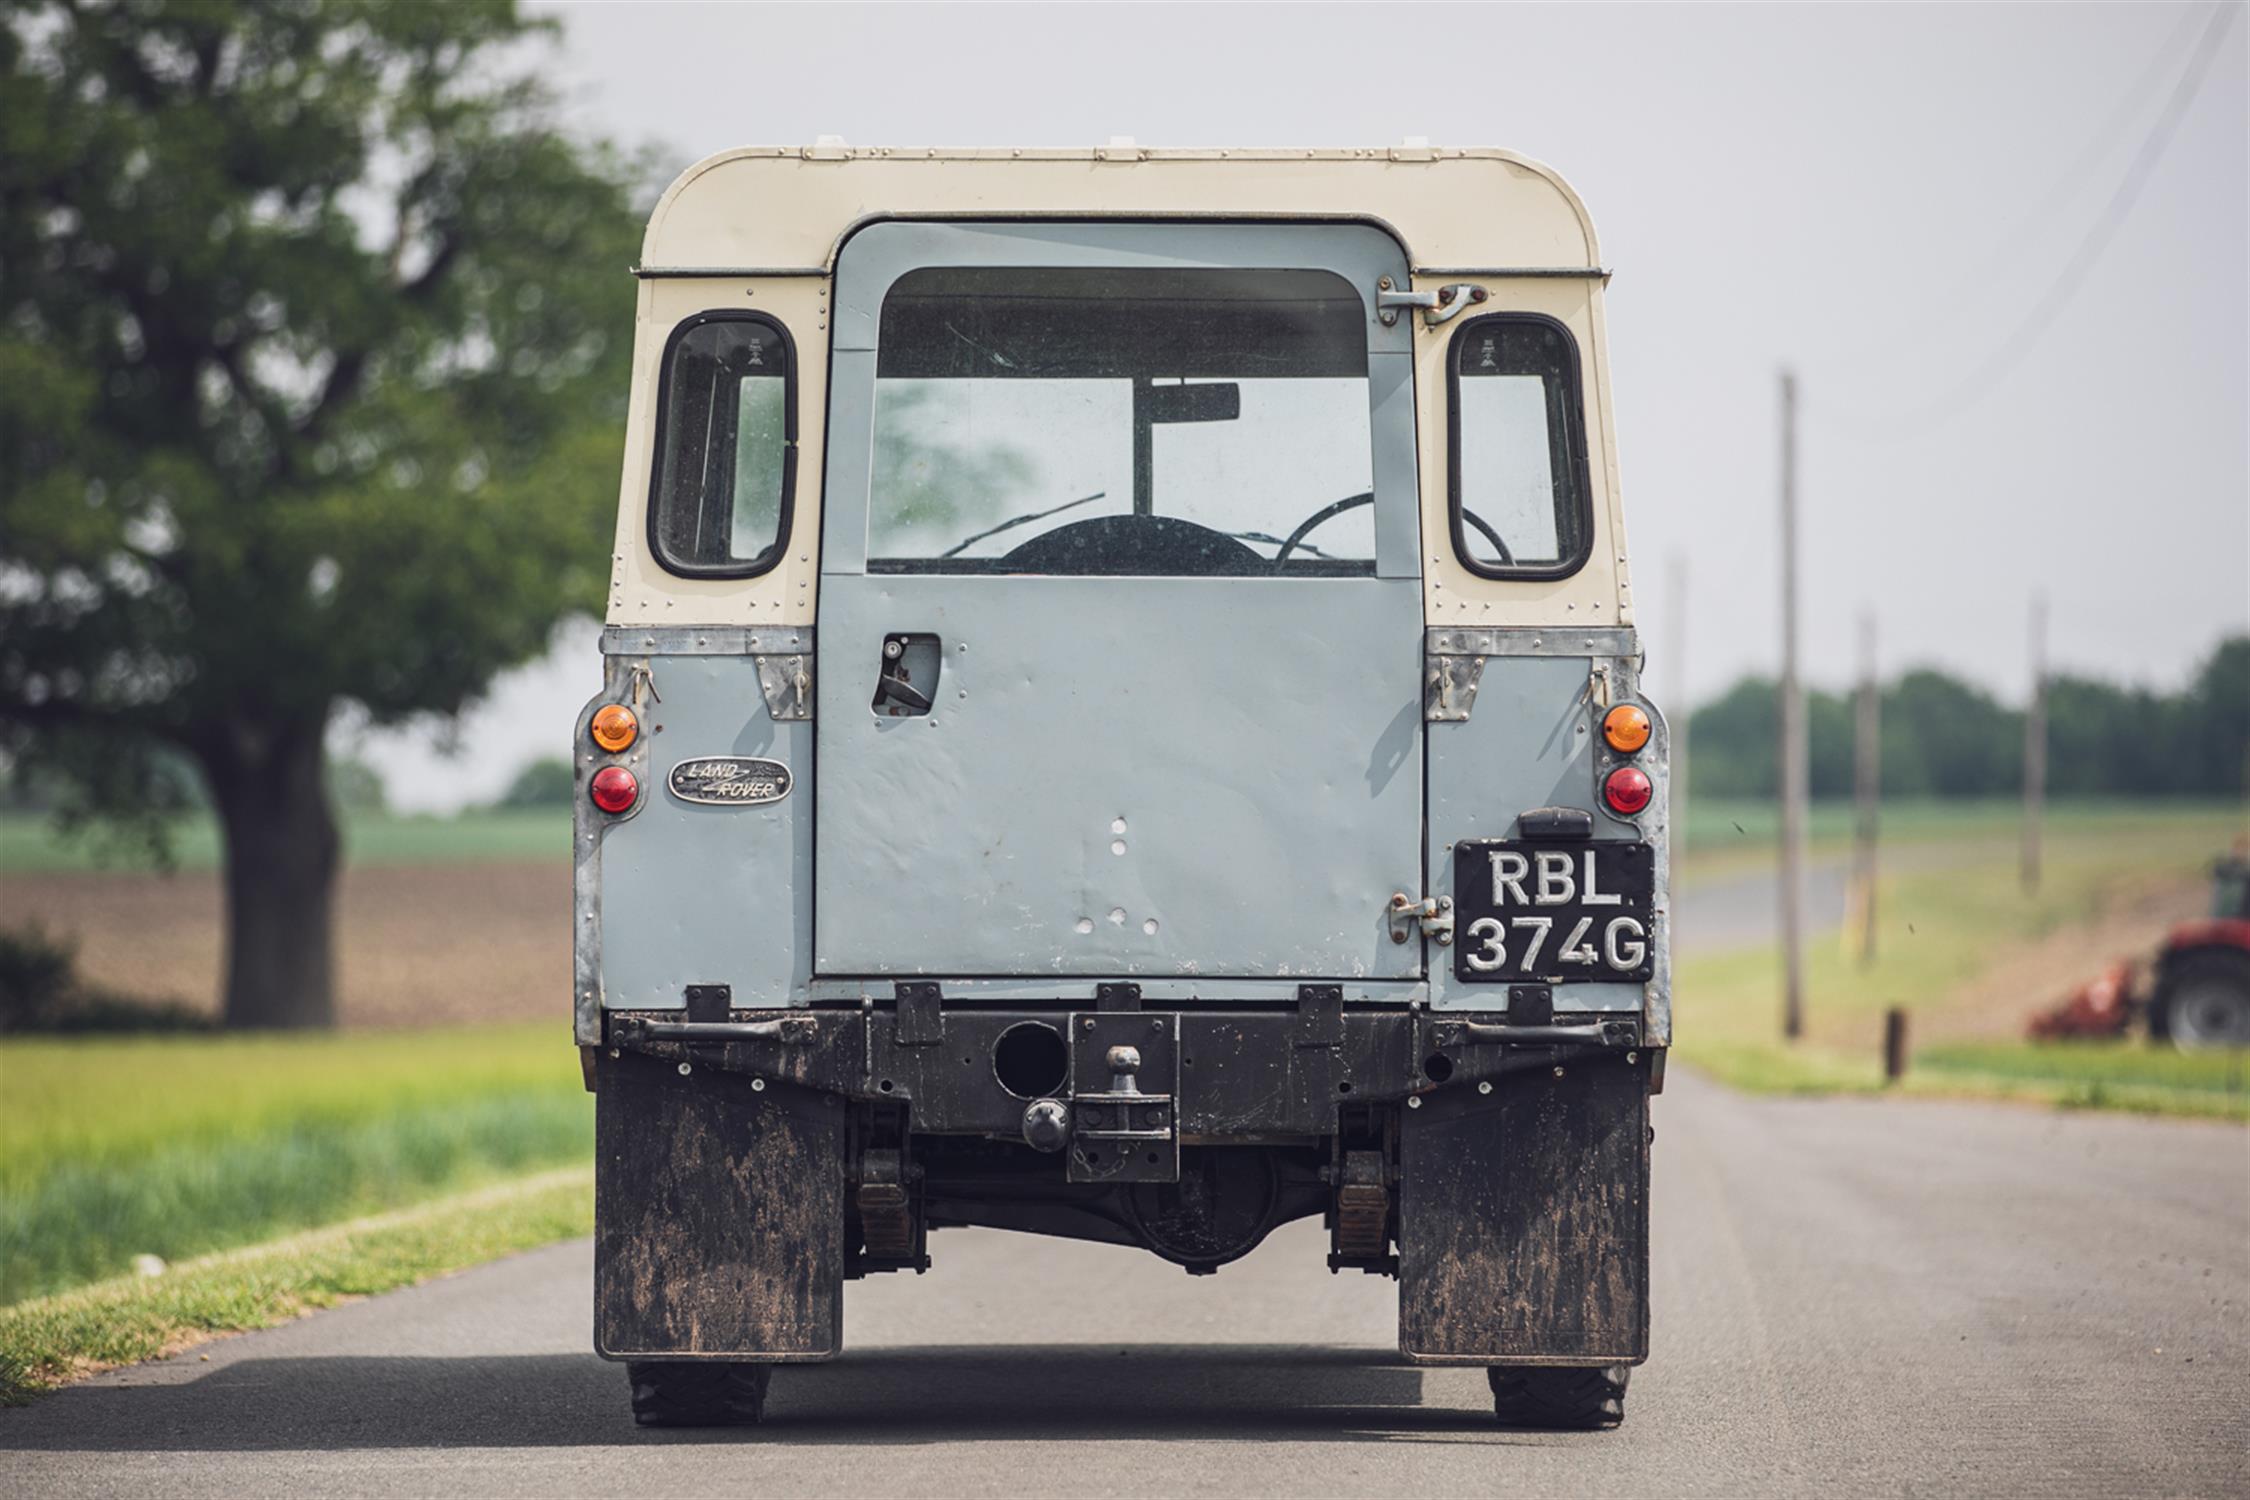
(313, 331)
(548, 782)
(1942, 737)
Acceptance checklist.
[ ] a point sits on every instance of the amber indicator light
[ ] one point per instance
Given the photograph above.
(614, 727)
(1626, 728)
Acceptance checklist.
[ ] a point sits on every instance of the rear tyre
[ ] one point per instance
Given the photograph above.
(2204, 1002)
(1559, 1400)
(698, 1393)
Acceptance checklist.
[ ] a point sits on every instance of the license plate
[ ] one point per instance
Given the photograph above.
(1552, 913)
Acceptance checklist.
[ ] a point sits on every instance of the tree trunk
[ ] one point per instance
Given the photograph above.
(270, 786)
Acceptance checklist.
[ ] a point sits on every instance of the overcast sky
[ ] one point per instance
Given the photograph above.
(1904, 203)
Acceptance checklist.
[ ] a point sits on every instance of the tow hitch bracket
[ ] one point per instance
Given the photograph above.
(1129, 1131)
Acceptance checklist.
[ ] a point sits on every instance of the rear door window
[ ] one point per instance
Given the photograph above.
(726, 446)
(1519, 487)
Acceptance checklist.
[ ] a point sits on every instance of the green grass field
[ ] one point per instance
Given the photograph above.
(1722, 835)
(178, 1146)
(1951, 915)
(1717, 833)
(30, 844)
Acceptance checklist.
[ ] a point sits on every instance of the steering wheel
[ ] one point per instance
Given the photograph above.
(1124, 546)
(1366, 497)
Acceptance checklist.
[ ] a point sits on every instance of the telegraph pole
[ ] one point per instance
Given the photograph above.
(1867, 784)
(1793, 778)
(2035, 747)
(1675, 634)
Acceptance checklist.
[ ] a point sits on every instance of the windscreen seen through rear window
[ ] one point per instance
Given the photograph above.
(1122, 421)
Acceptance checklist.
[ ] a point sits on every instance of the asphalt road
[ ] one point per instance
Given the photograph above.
(1849, 1295)
(1880, 1297)
(1737, 909)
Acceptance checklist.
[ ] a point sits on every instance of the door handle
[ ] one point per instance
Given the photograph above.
(890, 689)
(906, 677)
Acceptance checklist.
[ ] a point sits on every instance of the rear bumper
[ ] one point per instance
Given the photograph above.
(1228, 1075)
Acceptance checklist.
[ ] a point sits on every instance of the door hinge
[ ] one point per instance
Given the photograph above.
(1439, 305)
(1433, 914)
(787, 683)
(1450, 689)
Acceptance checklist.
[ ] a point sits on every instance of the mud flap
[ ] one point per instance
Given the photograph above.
(718, 1215)
(1523, 1219)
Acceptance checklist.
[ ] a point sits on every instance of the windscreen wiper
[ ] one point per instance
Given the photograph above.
(1023, 520)
(1273, 541)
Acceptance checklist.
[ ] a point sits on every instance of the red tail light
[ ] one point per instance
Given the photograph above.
(614, 789)
(1627, 790)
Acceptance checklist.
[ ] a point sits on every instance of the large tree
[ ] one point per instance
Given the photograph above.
(313, 330)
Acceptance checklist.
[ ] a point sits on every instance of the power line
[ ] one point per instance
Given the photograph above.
(2162, 64)
(2178, 42)
(2003, 360)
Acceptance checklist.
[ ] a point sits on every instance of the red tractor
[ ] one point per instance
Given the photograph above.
(2198, 992)
(2201, 994)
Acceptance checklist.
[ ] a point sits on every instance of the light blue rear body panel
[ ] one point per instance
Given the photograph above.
(1123, 776)
(694, 893)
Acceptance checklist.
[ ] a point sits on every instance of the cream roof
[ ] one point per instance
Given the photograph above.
(788, 207)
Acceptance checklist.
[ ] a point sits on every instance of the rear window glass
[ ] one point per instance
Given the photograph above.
(1520, 506)
(726, 439)
(1122, 421)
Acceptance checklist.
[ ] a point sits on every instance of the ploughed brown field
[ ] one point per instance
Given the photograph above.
(416, 944)
(463, 940)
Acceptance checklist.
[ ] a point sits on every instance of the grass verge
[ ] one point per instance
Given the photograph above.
(116, 1147)
(1958, 936)
(2136, 1075)
(52, 1340)
(1724, 836)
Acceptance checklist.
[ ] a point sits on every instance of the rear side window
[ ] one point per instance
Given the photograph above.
(1518, 435)
(726, 449)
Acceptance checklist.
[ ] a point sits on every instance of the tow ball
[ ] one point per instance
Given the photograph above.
(1129, 1130)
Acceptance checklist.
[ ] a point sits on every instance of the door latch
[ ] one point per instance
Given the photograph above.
(1440, 305)
(1433, 914)
(907, 676)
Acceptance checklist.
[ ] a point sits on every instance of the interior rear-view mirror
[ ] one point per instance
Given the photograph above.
(1218, 401)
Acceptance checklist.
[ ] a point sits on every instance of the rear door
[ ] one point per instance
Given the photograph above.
(1119, 619)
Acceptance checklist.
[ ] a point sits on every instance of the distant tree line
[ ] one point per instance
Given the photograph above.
(546, 782)
(1943, 737)
(173, 788)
